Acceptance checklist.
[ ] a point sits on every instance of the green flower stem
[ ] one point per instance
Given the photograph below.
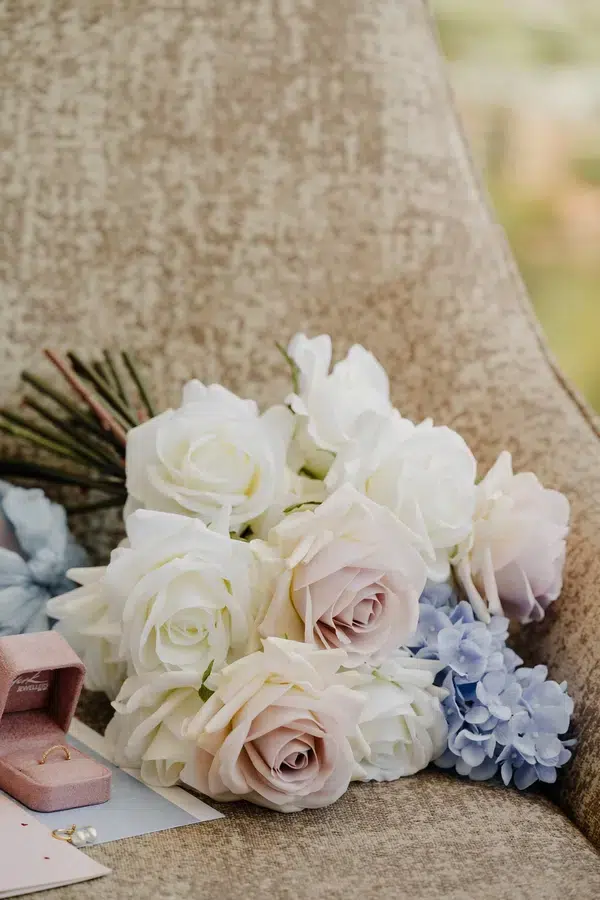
(137, 379)
(31, 431)
(82, 417)
(100, 369)
(294, 368)
(118, 382)
(103, 372)
(108, 421)
(89, 422)
(18, 468)
(309, 473)
(110, 503)
(105, 455)
(296, 506)
(18, 431)
(62, 399)
(90, 425)
(103, 388)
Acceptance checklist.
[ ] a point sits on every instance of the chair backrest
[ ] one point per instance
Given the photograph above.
(197, 180)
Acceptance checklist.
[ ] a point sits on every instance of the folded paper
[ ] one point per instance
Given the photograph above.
(32, 860)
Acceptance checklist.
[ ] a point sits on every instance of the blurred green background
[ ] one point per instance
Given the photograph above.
(526, 74)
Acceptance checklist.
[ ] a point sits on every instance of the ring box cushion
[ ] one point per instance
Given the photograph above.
(40, 682)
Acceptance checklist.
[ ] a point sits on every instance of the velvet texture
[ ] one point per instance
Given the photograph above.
(40, 683)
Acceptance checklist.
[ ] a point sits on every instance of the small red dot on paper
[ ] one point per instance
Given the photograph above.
(24, 824)
(46, 857)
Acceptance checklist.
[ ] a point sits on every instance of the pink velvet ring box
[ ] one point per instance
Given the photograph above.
(40, 683)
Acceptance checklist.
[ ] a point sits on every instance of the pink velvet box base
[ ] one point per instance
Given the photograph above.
(40, 683)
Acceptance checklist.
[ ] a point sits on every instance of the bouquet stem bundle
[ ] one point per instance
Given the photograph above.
(84, 428)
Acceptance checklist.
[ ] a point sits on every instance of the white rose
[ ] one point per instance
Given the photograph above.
(277, 729)
(187, 593)
(215, 452)
(351, 578)
(512, 564)
(146, 731)
(299, 491)
(423, 473)
(402, 723)
(330, 403)
(90, 621)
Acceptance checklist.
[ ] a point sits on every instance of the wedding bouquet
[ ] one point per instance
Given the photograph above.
(320, 593)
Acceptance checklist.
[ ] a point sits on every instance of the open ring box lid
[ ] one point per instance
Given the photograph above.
(40, 682)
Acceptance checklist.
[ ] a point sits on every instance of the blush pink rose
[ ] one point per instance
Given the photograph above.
(277, 730)
(513, 563)
(351, 578)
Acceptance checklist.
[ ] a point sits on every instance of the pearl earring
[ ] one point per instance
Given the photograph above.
(79, 837)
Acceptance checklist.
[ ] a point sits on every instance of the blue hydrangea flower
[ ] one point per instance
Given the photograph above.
(36, 550)
(465, 648)
(496, 697)
(549, 707)
(502, 717)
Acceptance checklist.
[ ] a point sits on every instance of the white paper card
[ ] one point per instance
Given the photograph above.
(32, 860)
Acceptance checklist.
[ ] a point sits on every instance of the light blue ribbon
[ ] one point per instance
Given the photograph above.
(36, 550)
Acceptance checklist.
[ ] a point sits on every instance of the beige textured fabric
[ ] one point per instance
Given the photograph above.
(420, 838)
(196, 178)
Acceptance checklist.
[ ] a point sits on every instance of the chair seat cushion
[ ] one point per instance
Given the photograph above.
(431, 836)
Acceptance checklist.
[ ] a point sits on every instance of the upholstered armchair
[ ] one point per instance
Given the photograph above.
(196, 179)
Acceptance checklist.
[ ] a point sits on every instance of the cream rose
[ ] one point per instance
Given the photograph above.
(90, 619)
(276, 731)
(424, 473)
(402, 724)
(513, 562)
(146, 731)
(351, 578)
(299, 491)
(215, 452)
(329, 404)
(187, 597)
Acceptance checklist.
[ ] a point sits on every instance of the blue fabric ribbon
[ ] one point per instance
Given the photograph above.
(36, 550)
